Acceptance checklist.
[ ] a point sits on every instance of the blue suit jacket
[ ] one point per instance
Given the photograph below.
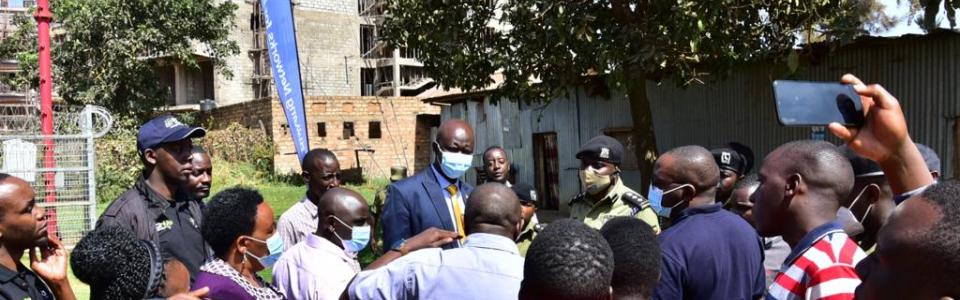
(415, 204)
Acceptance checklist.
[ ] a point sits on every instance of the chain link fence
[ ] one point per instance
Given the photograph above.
(66, 187)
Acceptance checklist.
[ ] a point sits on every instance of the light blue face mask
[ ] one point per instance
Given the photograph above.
(275, 248)
(454, 164)
(656, 200)
(358, 239)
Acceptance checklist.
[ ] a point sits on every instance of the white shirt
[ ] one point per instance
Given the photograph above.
(314, 269)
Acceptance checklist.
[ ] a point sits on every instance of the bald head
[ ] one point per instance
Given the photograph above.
(338, 200)
(455, 135)
(825, 170)
(690, 164)
(493, 208)
(454, 129)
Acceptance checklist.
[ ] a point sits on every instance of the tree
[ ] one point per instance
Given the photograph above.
(545, 46)
(105, 51)
(931, 8)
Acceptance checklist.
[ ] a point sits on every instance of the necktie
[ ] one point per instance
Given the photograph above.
(457, 212)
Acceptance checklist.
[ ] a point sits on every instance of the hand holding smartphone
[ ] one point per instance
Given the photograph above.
(810, 103)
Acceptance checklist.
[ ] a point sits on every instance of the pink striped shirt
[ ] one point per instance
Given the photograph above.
(824, 270)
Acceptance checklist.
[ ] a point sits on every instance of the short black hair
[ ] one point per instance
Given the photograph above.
(307, 164)
(824, 169)
(114, 263)
(567, 261)
(939, 245)
(636, 256)
(695, 165)
(491, 148)
(197, 149)
(229, 215)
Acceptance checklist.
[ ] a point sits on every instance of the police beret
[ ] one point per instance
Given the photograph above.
(525, 192)
(734, 157)
(602, 148)
(862, 166)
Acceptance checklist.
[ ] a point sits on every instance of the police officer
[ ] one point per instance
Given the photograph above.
(604, 195)
(376, 210)
(528, 202)
(735, 161)
(158, 208)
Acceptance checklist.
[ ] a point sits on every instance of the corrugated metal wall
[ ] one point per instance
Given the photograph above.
(924, 74)
(505, 120)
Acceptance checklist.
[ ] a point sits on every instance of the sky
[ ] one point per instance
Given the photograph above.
(905, 26)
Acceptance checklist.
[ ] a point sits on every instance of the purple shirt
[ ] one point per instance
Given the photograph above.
(221, 287)
(314, 269)
(487, 267)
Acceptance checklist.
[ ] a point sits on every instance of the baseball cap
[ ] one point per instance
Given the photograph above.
(525, 192)
(602, 148)
(165, 129)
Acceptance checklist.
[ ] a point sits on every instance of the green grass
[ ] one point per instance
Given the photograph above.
(279, 195)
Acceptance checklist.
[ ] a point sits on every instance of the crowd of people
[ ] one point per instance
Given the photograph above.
(869, 219)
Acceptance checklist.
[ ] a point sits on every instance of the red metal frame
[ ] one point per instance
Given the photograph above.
(43, 17)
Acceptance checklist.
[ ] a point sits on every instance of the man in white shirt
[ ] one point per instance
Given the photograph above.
(321, 266)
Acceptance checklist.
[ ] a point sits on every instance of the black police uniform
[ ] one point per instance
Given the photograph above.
(174, 226)
(22, 284)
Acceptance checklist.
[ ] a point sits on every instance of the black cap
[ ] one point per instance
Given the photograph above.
(165, 129)
(862, 166)
(602, 148)
(525, 192)
(930, 157)
(734, 157)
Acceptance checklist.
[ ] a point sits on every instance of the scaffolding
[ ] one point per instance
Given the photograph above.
(261, 79)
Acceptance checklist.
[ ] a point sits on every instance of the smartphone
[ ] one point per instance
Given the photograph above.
(810, 103)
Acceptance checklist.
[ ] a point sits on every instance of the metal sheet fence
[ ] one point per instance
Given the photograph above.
(68, 189)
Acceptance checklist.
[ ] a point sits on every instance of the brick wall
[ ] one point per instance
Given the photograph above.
(397, 146)
(252, 114)
(335, 6)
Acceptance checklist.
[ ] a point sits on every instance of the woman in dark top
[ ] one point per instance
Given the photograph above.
(239, 227)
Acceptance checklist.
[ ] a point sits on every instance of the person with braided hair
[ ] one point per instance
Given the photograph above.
(118, 265)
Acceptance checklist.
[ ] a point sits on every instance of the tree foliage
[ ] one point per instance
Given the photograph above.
(557, 42)
(543, 47)
(925, 12)
(105, 51)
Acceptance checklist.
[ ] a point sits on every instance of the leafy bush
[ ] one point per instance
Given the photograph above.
(249, 151)
(236, 143)
(118, 164)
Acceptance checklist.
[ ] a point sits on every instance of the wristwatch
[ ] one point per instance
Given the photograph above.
(400, 246)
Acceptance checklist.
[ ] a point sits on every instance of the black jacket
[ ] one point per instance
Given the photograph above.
(139, 208)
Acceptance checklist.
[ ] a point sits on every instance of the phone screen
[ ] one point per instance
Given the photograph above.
(808, 103)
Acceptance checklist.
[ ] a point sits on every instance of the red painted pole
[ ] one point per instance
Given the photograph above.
(43, 17)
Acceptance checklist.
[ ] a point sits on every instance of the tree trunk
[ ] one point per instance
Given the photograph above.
(645, 138)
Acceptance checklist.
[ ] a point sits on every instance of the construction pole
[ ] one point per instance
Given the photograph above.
(43, 17)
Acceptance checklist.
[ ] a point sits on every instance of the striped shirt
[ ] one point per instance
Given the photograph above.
(821, 266)
(299, 221)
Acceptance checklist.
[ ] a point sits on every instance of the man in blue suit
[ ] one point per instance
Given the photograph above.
(435, 196)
